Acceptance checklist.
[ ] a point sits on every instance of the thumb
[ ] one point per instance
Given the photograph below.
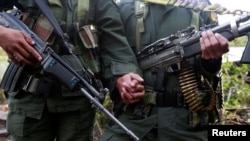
(136, 77)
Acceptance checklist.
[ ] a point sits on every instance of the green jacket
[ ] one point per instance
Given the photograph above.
(160, 22)
(116, 57)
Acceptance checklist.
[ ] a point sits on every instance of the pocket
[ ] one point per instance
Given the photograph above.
(88, 49)
(89, 36)
(44, 29)
(17, 94)
(15, 124)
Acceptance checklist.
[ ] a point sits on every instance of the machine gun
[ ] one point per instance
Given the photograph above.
(53, 64)
(173, 49)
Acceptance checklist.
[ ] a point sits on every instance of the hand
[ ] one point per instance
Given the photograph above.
(130, 88)
(213, 45)
(18, 46)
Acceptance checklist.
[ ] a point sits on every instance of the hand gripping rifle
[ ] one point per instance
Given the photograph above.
(173, 49)
(53, 64)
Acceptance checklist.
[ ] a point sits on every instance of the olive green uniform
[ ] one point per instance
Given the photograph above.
(168, 121)
(59, 115)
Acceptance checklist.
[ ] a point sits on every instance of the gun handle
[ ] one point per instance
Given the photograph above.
(245, 58)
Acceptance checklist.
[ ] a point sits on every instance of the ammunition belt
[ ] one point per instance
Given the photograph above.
(190, 89)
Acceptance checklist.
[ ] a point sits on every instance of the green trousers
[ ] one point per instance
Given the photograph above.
(69, 126)
(164, 124)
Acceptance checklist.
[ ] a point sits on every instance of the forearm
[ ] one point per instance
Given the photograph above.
(210, 67)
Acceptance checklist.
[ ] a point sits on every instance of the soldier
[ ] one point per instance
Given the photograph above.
(48, 111)
(167, 112)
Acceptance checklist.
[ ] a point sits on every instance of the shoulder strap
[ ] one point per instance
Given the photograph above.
(82, 11)
(195, 19)
(141, 10)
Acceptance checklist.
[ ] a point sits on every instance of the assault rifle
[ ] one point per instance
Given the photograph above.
(53, 64)
(183, 44)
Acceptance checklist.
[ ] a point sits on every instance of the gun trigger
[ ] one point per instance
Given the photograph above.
(174, 67)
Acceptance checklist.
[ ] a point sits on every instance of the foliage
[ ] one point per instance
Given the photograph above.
(101, 117)
(236, 85)
(239, 42)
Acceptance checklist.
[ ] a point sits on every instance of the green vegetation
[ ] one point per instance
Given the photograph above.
(239, 42)
(236, 86)
(3, 62)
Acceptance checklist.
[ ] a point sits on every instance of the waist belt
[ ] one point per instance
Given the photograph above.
(170, 100)
(35, 85)
(152, 99)
(164, 99)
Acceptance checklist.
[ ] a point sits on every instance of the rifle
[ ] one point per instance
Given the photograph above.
(53, 64)
(183, 44)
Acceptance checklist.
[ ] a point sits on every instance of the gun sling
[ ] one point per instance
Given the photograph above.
(30, 83)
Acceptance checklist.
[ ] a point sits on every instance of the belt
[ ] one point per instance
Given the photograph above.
(152, 99)
(35, 85)
(170, 100)
(163, 99)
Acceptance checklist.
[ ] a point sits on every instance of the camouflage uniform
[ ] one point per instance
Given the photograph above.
(168, 120)
(58, 114)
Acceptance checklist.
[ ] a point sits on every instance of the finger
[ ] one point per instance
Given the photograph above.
(30, 47)
(123, 98)
(28, 38)
(128, 96)
(214, 46)
(126, 100)
(13, 59)
(206, 54)
(22, 59)
(138, 95)
(136, 77)
(139, 88)
(125, 95)
(224, 43)
(134, 101)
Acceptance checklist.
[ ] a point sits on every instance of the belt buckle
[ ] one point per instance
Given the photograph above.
(31, 84)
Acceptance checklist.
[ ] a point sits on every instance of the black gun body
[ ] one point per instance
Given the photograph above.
(9, 75)
(150, 57)
(191, 46)
(246, 54)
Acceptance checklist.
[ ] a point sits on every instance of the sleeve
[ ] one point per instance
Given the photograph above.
(117, 57)
(7, 4)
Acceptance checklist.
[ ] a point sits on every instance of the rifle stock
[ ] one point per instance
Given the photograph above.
(53, 64)
(173, 49)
